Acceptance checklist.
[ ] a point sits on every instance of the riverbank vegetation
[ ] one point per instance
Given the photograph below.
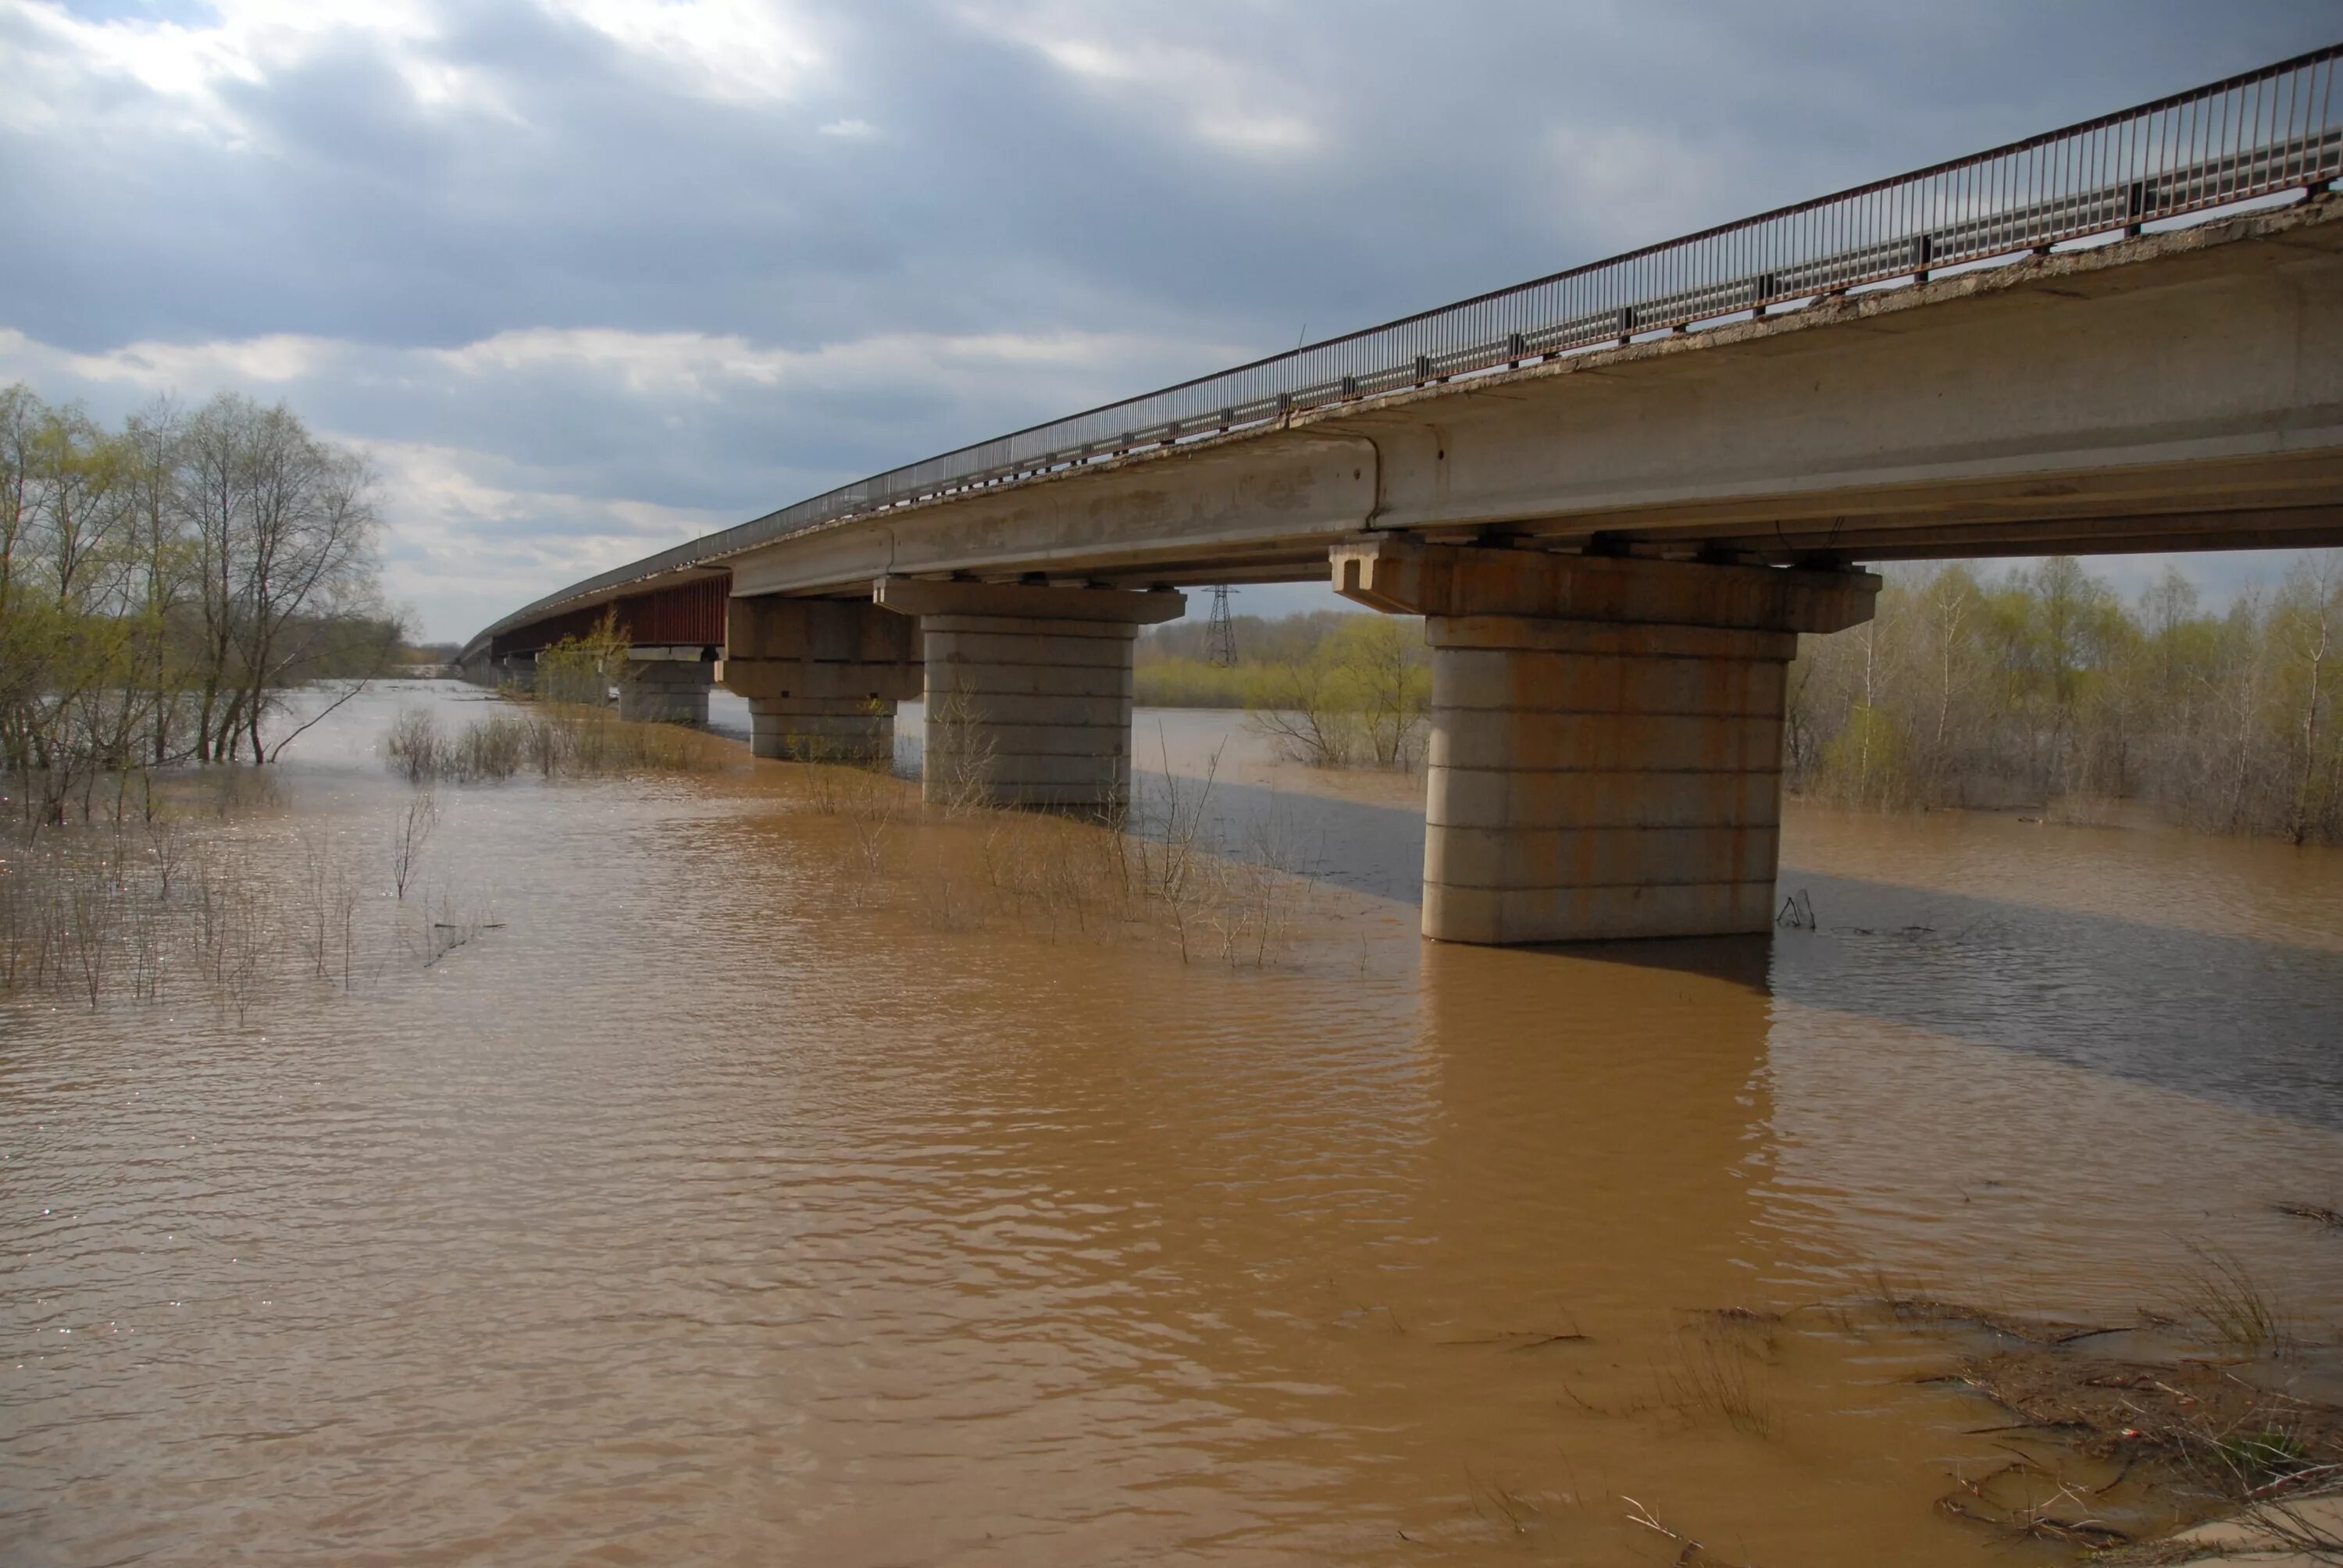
(561, 727)
(2036, 686)
(162, 585)
(581, 672)
(209, 893)
(550, 739)
(2115, 1438)
(2123, 1433)
(1331, 689)
(2041, 684)
(1175, 667)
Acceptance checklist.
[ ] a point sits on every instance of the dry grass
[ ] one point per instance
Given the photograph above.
(1920, 1308)
(322, 916)
(959, 755)
(2185, 1435)
(218, 904)
(2023, 1500)
(2232, 1308)
(554, 741)
(2206, 1412)
(1689, 1554)
(411, 830)
(1499, 1505)
(1721, 1370)
(1148, 877)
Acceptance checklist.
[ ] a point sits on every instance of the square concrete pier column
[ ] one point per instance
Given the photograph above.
(667, 685)
(823, 729)
(822, 677)
(1605, 754)
(1029, 689)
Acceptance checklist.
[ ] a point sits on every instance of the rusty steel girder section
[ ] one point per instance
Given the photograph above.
(689, 614)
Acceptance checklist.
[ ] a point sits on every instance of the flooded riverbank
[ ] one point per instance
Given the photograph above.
(723, 1202)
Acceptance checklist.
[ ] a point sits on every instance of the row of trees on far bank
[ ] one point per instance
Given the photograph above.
(2041, 683)
(163, 584)
(2028, 685)
(1332, 689)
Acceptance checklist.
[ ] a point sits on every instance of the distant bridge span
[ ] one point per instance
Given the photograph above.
(1616, 494)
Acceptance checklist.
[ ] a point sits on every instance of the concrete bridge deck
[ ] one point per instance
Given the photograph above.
(1614, 545)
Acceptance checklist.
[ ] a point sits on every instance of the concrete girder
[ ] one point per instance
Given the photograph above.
(2178, 390)
(2203, 372)
(2186, 385)
(1291, 497)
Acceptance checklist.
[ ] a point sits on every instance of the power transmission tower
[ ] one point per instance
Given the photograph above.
(1221, 632)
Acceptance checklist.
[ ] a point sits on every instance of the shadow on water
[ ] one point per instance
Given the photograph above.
(1745, 962)
(2235, 1020)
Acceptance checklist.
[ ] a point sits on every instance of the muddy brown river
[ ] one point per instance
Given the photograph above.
(709, 1205)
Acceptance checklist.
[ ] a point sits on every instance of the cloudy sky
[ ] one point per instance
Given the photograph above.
(587, 276)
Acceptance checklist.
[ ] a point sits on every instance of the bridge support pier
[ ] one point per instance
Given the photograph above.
(822, 677)
(1606, 734)
(662, 686)
(1028, 689)
(823, 729)
(516, 669)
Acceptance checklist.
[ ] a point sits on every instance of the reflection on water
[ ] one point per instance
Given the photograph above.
(704, 1212)
(2206, 966)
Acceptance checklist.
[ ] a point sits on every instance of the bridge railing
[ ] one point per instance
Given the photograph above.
(2276, 129)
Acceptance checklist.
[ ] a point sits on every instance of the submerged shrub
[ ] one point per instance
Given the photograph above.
(413, 746)
(555, 740)
(1360, 700)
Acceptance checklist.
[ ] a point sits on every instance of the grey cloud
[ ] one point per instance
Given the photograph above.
(1005, 189)
(1000, 192)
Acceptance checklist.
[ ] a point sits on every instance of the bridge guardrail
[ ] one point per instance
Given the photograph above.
(2265, 132)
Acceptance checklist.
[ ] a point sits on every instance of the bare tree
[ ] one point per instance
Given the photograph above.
(20, 418)
(1950, 599)
(165, 570)
(2308, 607)
(162, 585)
(409, 831)
(284, 529)
(1361, 695)
(81, 470)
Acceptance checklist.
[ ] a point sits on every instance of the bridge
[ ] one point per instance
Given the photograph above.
(1616, 495)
